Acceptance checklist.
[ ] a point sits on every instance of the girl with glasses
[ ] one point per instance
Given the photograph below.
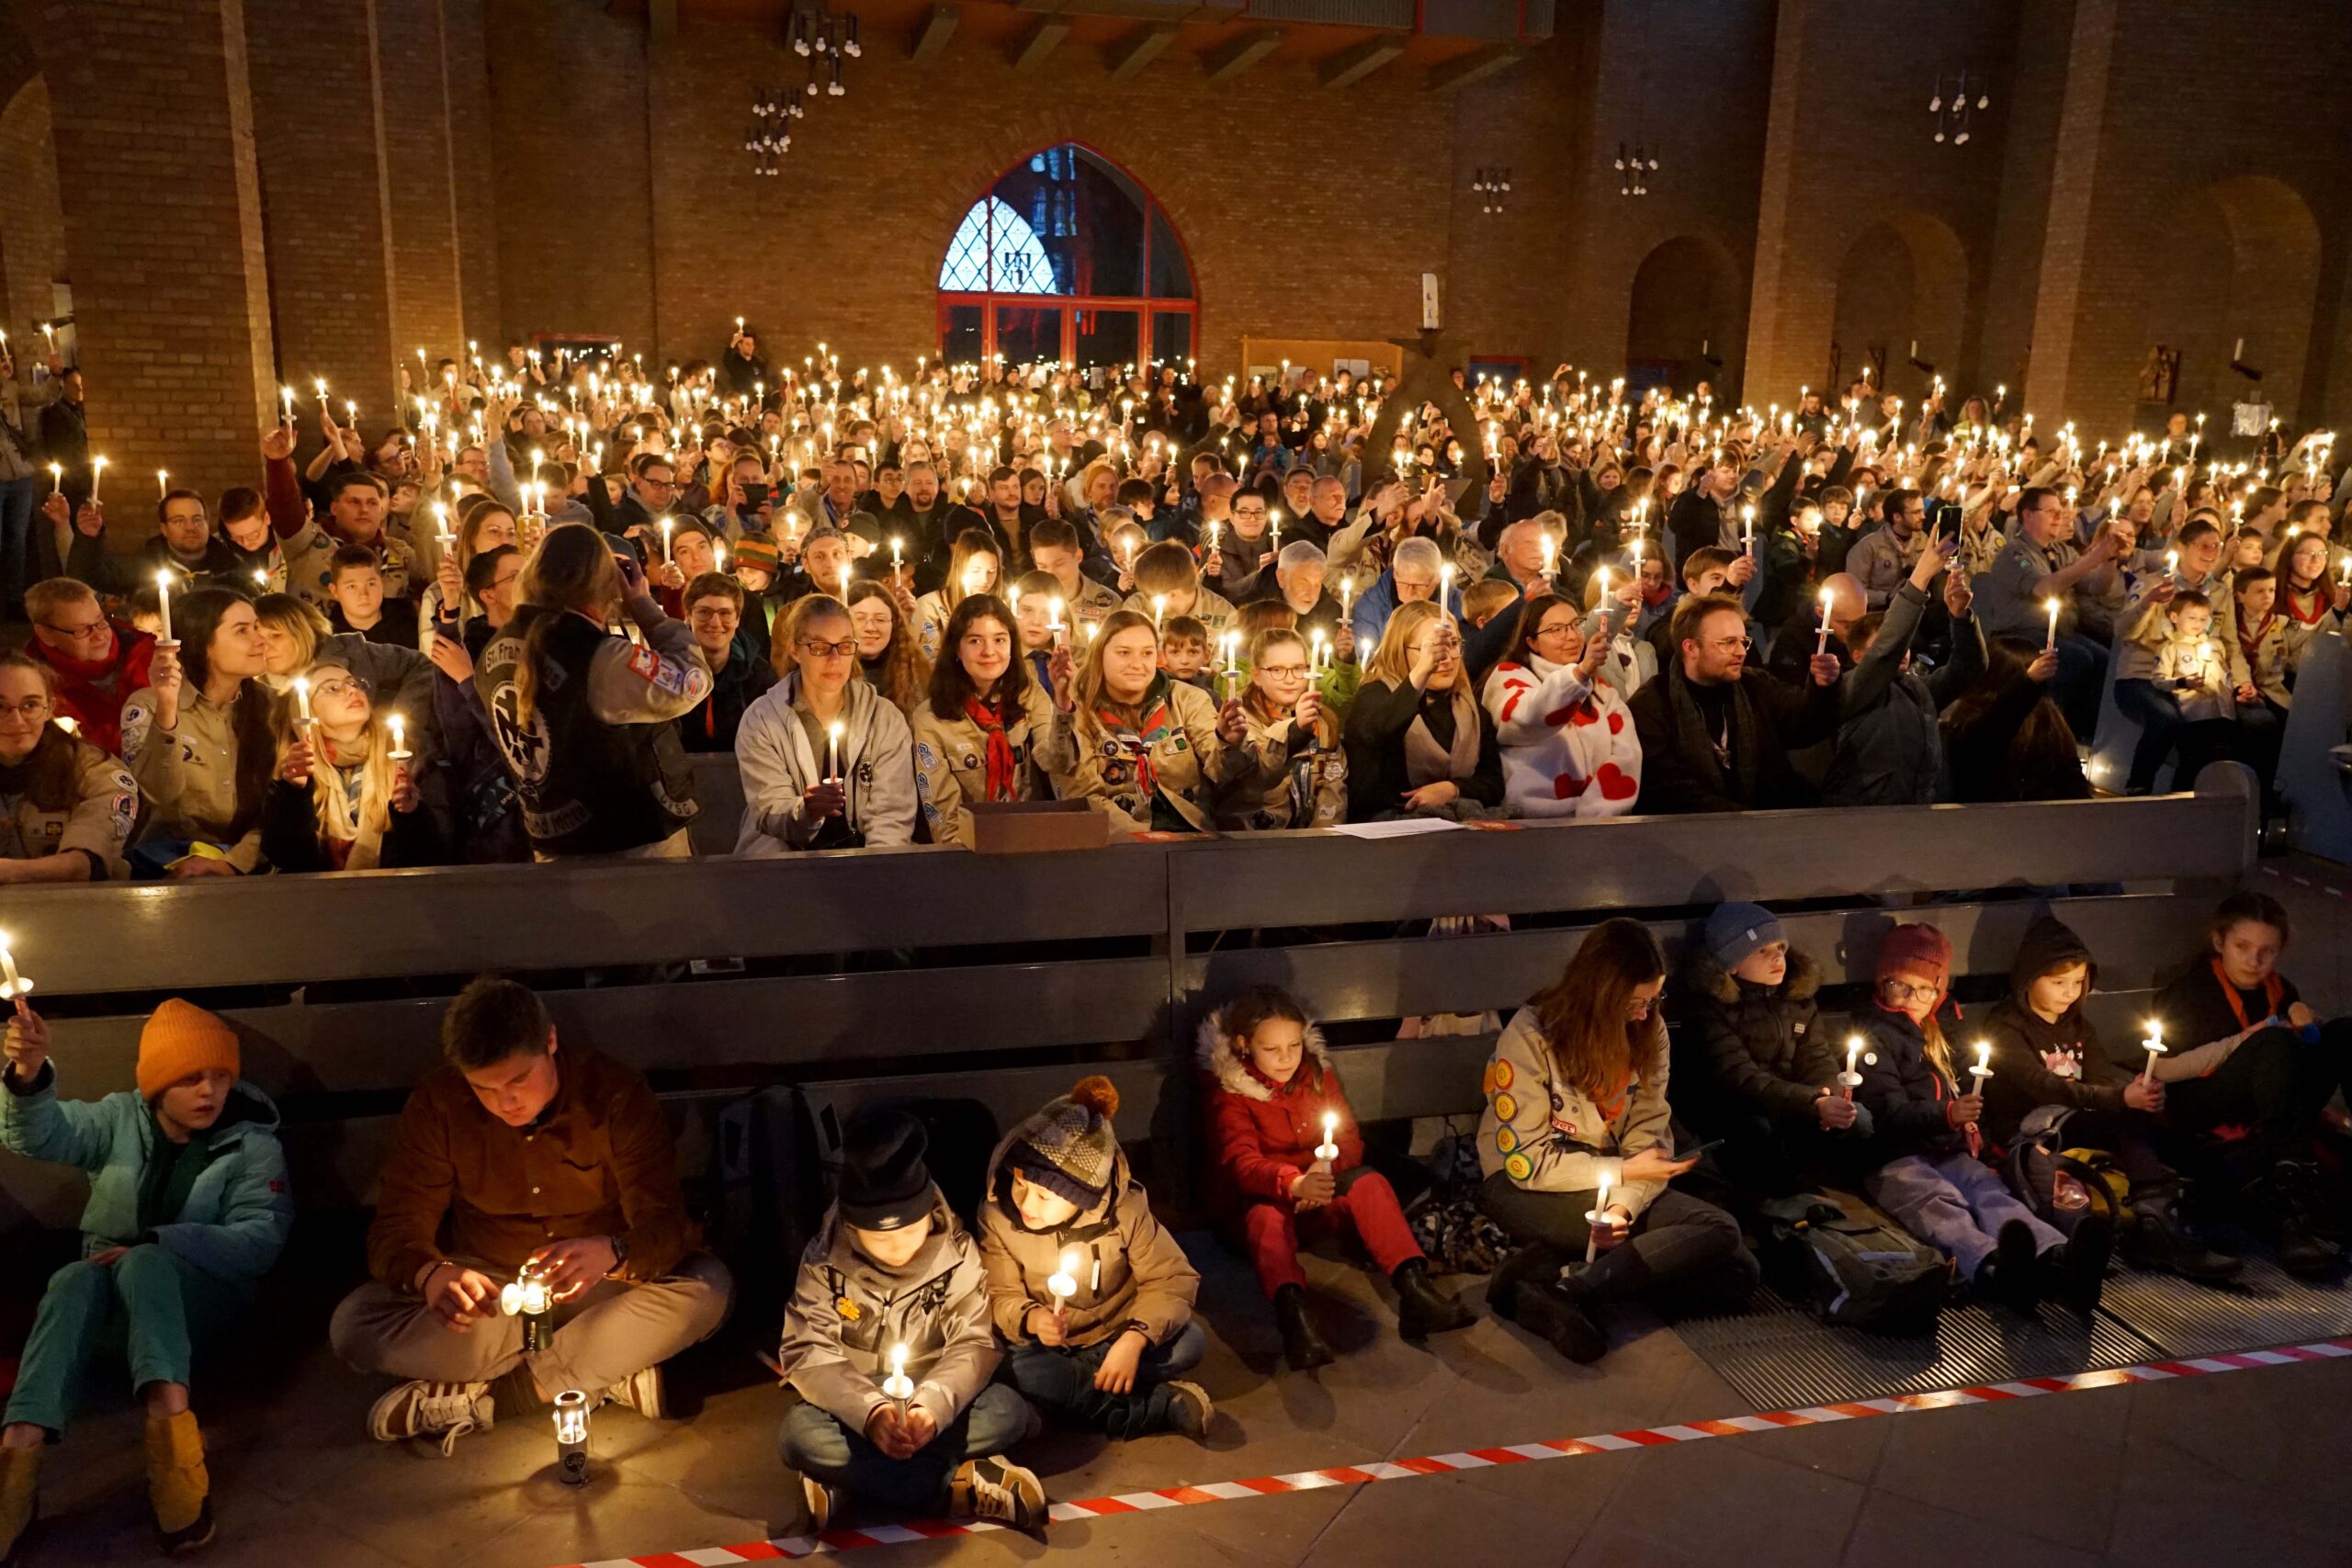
(1568, 739)
(1298, 773)
(339, 800)
(66, 808)
(827, 762)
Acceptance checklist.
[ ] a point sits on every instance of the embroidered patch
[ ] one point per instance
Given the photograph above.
(1506, 1107)
(1519, 1167)
(644, 663)
(1503, 1074)
(1506, 1140)
(847, 1309)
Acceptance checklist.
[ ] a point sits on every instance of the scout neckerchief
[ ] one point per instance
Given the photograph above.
(2272, 990)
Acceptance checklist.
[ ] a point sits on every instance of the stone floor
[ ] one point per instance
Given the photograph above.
(2244, 1467)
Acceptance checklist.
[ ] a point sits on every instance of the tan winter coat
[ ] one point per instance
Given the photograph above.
(1547, 1135)
(1129, 1269)
(1261, 796)
(951, 761)
(189, 771)
(98, 822)
(847, 1311)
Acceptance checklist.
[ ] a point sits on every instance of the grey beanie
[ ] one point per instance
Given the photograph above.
(1736, 930)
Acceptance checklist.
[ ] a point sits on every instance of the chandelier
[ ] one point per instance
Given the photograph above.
(1490, 186)
(1951, 114)
(773, 112)
(1633, 172)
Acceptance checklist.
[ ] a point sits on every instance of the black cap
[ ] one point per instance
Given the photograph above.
(885, 1184)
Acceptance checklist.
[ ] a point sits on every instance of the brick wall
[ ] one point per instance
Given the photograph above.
(34, 243)
(473, 166)
(163, 233)
(413, 104)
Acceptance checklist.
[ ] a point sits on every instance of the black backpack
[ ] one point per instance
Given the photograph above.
(2062, 1185)
(1851, 1264)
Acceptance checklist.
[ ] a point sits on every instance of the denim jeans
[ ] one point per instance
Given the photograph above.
(2158, 716)
(17, 498)
(147, 1304)
(1061, 1382)
(814, 1442)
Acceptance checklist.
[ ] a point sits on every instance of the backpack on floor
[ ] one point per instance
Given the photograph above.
(1452, 1230)
(1852, 1265)
(2062, 1185)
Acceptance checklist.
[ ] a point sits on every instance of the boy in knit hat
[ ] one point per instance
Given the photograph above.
(1093, 1297)
(891, 1289)
(188, 1211)
(1751, 1063)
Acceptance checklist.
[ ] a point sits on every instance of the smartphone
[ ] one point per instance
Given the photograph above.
(1711, 1144)
(755, 495)
(632, 570)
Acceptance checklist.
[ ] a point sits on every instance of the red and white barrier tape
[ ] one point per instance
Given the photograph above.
(1480, 1458)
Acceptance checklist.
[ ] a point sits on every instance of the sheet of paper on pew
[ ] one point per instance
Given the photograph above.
(1404, 827)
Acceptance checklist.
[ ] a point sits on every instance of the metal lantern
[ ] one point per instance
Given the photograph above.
(572, 1437)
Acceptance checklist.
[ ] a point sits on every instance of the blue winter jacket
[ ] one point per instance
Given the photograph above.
(237, 1216)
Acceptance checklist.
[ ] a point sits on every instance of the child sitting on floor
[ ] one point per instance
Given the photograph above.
(1936, 1184)
(1273, 1099)
(892, 1287)
(1061, 1203)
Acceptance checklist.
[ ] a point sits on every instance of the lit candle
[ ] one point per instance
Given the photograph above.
(2052, 605)
(1445, 583)
(1063, 1283)
(1852, 1077)
(2153, 1044)
(56, 478)
(97, 472)
(1823, 646)
(844, 585)
(162, 483)
(1983, 1067)
(1054, 613)
(572, 1437)
(898, 1385)
(302, 698)
(1158, 609)
(441, 518)
(400, 752)
(15, 985)
(164, 608)
(1327, 1151)
(834, 750)
(666, 525)
(896, 544)
(1593, 1221)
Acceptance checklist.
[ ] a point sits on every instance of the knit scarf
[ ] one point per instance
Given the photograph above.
(1697, 745)
(1427, 762)
(1003, 764)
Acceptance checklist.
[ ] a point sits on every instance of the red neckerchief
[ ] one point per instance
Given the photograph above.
(1654, 597)
(2320, 606)
(1001, 765)
(1156, 724)
(2273, 988)
(2247, 644)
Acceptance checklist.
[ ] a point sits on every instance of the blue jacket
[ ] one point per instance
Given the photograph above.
(234, 1223)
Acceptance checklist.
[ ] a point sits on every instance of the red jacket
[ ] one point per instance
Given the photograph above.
(1261, 1136)
(92, 694)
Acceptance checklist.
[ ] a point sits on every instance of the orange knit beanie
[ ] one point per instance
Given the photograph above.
(180, 1039)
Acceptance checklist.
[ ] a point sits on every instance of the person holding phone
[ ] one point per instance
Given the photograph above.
(1576, 1147)
(1889, 751)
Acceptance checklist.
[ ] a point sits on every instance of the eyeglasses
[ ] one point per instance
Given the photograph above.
(659, 484)
(1727, 644)
(91, 628)
(1284, 671)
(723, 615)
(31, 709)
(829, 649)
(1558, 629)
(1901, 990)
(341, 686)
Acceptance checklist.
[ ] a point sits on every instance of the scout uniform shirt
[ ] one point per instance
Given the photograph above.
(96, 820)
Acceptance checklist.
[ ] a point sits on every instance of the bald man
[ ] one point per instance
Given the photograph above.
(1793, 644)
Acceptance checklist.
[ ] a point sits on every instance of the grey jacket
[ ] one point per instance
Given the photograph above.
(847, 1311)
(1889, 751)
(779, 766)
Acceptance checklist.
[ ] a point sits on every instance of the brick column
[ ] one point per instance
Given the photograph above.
(154, 142)
(472, 166)
(36, 229)
(2071, 374)
(1793, 297)
(428, 301)
(330, 277)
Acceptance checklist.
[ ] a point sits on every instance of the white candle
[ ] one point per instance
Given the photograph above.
(97, 472)
(16, 985)
(1063, 1282)
(1094, 1287)
(1593, 1220)
(163, 607)
(1054, 613)
(2155, 1046)
(399, 739)
(1327, 1151)
(844, 585)
(1983, 1067)
(162, 483)
(2052, 605)
(1851, 1077)
(1749, 529)
(666, 526)
(898, 1385)
(56, 478)
(1445, 583)
(302, 698)
(834, 750)
(1823, 646)
(1158, 609)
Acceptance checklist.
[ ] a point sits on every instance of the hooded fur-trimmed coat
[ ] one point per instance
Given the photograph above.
(1744, 1049)
(1262, 1135)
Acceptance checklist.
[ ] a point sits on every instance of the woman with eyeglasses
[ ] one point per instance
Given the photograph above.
(886, 654)
(827, 761)
(1418, 742)
(1577, 1146)
(1298, 774)
(197, 740)
(1155, 751)
(66, 808)
(1568, 739)
(482, 525)
(340, 800)
(1936, 1182)
(987, 731)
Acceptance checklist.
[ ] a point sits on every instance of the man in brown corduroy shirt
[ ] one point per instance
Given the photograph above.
(517, 1158)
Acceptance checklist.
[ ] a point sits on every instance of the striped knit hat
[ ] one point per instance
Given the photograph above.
(1068, 1148)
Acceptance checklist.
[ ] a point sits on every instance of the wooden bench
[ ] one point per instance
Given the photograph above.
(935, 972)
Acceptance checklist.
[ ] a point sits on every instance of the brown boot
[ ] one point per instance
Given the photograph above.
(19, 1498)
(177, 1483)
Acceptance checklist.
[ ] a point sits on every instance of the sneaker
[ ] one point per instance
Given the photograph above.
(993, 1489)
(643, 1392)
(444, 1410)
(825, 1503)
(1189, 1408)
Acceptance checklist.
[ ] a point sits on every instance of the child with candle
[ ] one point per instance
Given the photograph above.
(1575, 1098)
(2047, 1052)
(1155, 753)
(1298, 773)
(1185, 655)
(887, 656)
(891, 1267)
(1268, 1085)
(988, 732)
(1935, 1182)
(197, 740)
(1093, 1297)
(1753, 1064)
(2257, 649)
(338, 801)
(2193, 672)
(1168, 571)
(188, 1211)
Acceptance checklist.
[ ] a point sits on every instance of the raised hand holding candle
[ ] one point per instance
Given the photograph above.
(1823, 646)
(164, 609)
(2153, 1044)
(2051, 646)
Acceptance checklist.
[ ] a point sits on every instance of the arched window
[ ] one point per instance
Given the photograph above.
(1066, 258)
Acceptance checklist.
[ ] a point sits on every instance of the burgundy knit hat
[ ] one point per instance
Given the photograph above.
(1917, 951)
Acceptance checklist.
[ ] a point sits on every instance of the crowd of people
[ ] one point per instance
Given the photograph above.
(532, 1247)
(498, 628)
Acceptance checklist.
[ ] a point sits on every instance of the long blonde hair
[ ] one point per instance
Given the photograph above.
(571, 570)
(363, 825)
(969, 542)
(1088, 692)
(1393, 660)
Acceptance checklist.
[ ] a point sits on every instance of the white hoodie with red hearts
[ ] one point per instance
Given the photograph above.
(1569, 745)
